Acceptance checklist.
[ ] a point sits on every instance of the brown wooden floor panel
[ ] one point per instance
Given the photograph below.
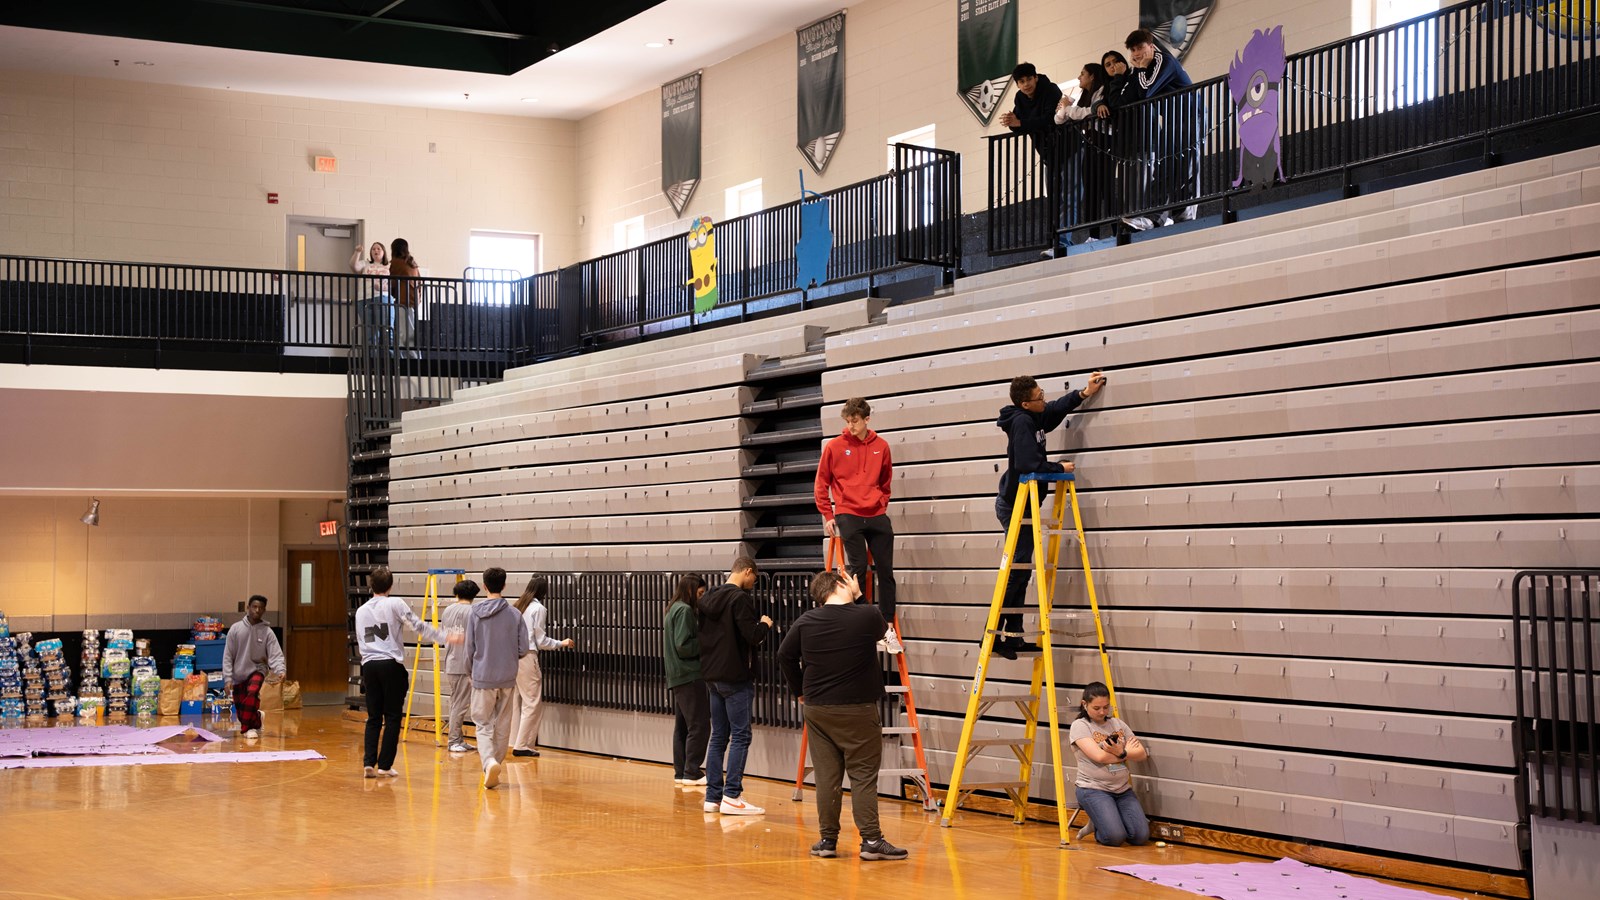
(564, 825)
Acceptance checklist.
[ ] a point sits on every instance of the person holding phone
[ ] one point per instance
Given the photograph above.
(1104, 745)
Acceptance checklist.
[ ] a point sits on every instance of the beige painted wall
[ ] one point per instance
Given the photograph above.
(150, 563)
(899, 75)
(103, 169)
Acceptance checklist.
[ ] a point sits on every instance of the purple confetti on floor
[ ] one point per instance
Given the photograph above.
(1285, 879)
(85, 740)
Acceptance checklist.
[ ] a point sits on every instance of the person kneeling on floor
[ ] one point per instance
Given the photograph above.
(1104, 745)
(830, 660)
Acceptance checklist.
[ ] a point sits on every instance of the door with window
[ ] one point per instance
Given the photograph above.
(317, 631)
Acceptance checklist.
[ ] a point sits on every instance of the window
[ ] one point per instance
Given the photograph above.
(917, 137)
(502, 255)
(627, 234)
(743, 199)
(1396, 69)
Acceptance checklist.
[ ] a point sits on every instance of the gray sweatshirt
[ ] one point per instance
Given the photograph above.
(456, 615)
(378, 624)
(496, 639)
(250, 649)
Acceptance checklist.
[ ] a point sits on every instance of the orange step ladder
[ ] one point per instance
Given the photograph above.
(918, 775)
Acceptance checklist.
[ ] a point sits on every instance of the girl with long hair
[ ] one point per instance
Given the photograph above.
(691, 706)
(1104, 745)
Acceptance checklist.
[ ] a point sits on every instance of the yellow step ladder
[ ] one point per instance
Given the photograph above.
(1047, 536)
(430, 614)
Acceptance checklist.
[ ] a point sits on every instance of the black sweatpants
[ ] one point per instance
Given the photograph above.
(385, 681)
(859, 535)
(691, 729)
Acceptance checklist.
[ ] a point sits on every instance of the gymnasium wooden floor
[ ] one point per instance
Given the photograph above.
(564, 825)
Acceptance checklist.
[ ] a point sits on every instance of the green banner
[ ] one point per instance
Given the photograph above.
(680, 140)
(819, 113)
(986, 52)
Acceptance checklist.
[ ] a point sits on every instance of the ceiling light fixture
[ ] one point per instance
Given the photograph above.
(92, 517)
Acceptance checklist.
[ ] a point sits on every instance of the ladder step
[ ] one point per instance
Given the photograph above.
(992, 785)
(896, 689)
(899, 729)
(997, 742)
(1009, 698)
(903, 773)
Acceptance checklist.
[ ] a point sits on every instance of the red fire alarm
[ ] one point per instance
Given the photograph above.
(328, 529)
(272, 198)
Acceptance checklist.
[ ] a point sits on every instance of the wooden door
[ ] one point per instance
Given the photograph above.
(317, 640)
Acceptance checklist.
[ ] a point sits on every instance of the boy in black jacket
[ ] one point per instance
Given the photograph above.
(1026, 422)
(1033, 112)
(729, 634)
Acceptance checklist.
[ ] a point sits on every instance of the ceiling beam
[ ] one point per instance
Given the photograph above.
(364, 19)
(357, 26)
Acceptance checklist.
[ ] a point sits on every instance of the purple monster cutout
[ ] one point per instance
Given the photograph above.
(1253, 81)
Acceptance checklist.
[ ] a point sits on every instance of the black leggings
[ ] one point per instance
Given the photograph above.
(691, 729)
(860, 534)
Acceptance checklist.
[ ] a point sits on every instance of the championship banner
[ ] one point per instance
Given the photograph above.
(1175, 22)
(986, 52)
(680, 140)
(819, 113)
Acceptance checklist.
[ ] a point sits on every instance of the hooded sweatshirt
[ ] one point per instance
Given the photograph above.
(250, 649)
(1037, 113)
(1025, 444)
(681, 646)
(860, 473)
(729, 634)
(496, 638)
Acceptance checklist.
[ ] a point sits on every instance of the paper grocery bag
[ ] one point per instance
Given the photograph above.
(194, 687)
(171, 696)
(291, 695)
(271, 697)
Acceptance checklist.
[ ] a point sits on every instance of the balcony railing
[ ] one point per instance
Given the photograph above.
(1464, 73)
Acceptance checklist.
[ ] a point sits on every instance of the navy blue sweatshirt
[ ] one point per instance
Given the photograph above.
(1025, 444)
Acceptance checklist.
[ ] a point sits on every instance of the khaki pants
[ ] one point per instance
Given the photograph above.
(491, 713)
(530, 701)
(846, 738)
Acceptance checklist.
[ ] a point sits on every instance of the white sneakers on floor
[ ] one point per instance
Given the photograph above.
(252, 734)
(369, 771)
(733, 806)
(491, 774)
(690, 782)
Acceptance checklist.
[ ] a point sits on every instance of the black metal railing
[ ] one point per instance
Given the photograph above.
(616, 622)
(1464, 73)
(1556, 615)
(927, 202)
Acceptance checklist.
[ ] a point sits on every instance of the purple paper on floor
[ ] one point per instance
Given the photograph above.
(88, 740)
(1281, 880)
(159, 759)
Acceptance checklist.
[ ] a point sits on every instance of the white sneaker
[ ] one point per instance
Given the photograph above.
(1138, 223)
(1163, 220)
(369, 771)
(491, 775)
(733, 806)
(1186, 214)
(252, 734)
(460, 748)
(710, 807)
(389, 773)
(676, 780)
(701, 781)
(891, 641)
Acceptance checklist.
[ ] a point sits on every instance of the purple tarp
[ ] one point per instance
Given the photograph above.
(161, 759)
(1285, 879)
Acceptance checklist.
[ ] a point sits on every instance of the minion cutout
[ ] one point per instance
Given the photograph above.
(703, 264)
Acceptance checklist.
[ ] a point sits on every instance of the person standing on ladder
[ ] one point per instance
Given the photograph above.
(830, 661)
(852, 488)
(1026, 422)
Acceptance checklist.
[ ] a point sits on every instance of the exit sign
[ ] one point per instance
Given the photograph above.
(328, 528)
(327, 164)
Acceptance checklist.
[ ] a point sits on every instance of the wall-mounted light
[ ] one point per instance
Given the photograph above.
(92, 517)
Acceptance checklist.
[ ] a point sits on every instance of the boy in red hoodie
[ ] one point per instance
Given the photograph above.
(855, 468)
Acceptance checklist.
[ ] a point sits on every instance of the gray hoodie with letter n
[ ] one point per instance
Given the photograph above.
(496, 638)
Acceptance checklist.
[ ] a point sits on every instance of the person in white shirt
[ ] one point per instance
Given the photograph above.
(530, 680)
(383, 671)
(1104, 745)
